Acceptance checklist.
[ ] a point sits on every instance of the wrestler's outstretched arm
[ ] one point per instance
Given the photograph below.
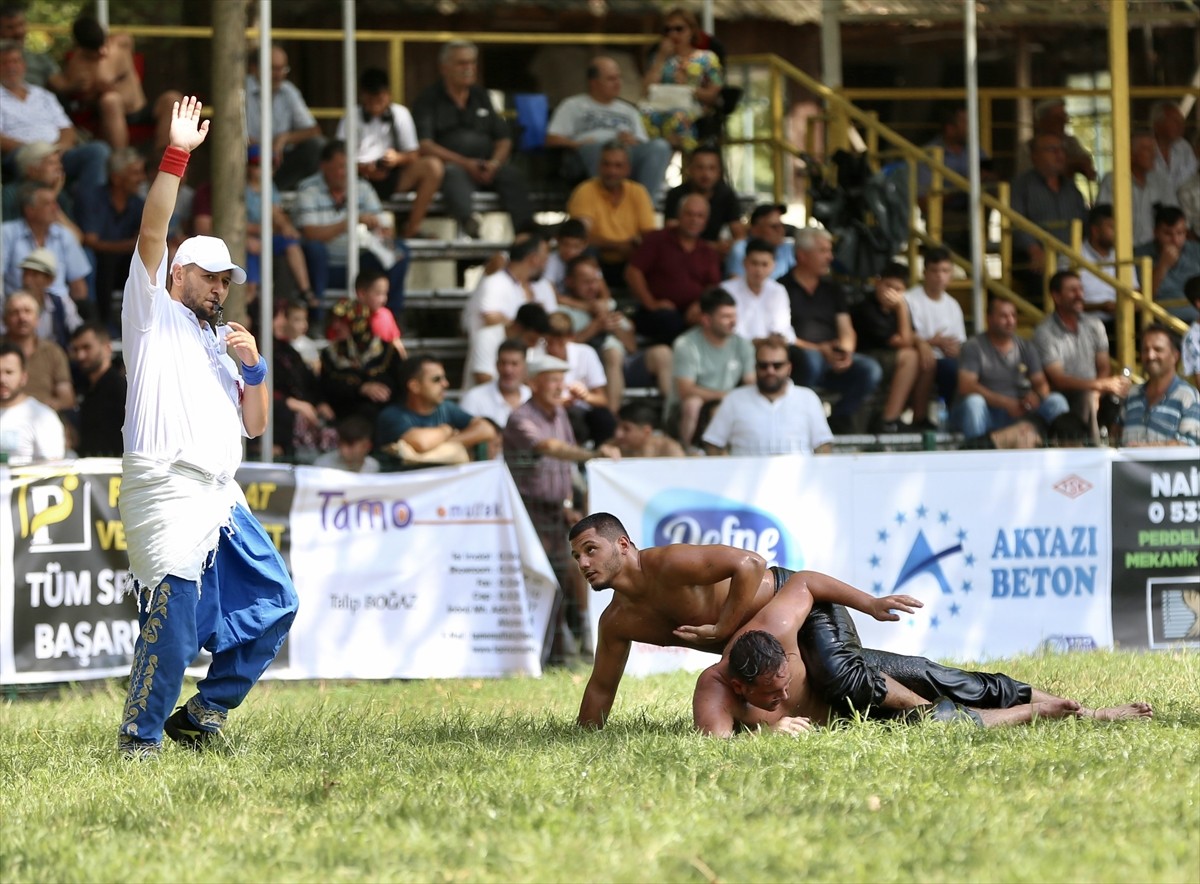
(829, 589)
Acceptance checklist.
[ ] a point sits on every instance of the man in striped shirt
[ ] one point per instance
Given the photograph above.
(1166, 409)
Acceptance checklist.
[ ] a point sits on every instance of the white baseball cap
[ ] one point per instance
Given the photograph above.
(545, 363)
(209, 252)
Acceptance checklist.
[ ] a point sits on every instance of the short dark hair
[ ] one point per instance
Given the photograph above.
(511, 345)
(1057, 280)
(1168, 215)
(895, 270)
(578, 261)
(96, 328)
(7, 348)
(332, 148)
(1157, 328)
(606, 525)
(88, 32)
(707, 148)
(1191, 290)
(373, 81)
(714, 298)
(523, 248)
(354, 428)
(937, 255)
(367, 278)
(995, 301)
(573, 228)
(414, 365)
(641, 413)
(754, 653)
(757, 244)
(1097, 213)
(765, 209)
(533, 317)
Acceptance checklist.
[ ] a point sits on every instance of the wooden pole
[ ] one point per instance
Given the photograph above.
(226, 146)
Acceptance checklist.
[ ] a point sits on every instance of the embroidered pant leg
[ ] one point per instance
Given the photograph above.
(165, 647)
(247, 606)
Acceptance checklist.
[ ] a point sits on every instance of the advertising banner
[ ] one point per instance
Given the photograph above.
(1156, 549)
(1007, 550)
(436, 573)
(421, 574)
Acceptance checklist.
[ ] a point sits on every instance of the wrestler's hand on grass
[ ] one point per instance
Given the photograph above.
(187, 130)
(241, 342)
(882, 608)
(794, 726)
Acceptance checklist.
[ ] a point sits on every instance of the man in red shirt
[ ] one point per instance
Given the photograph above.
(669, 272)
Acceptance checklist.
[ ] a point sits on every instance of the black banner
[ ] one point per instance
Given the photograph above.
(1156, 553)
(70, 564)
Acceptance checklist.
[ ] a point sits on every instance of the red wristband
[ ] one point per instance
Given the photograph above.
(174, 161)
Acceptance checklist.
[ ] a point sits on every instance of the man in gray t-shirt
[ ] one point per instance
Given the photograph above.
(1073, 348)
(585, 123)
(710, 360)
(1000, 378)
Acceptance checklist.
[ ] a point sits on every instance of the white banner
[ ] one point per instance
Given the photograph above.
(1007, 550)
(430, 574)
(434, 573)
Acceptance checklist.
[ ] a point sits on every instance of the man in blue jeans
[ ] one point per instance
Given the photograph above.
(823, 356)
(322, 217)
(1000, 378)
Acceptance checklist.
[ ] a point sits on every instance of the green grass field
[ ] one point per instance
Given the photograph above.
(491, 781)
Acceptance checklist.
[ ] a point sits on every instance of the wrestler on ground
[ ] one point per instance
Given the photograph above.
(205, 572)
(657, 591)
(770, 677)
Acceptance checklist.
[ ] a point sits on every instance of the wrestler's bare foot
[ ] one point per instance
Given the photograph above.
(1119, 713)
(1055, 707)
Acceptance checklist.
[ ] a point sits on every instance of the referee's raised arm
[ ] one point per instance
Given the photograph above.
(187, 133)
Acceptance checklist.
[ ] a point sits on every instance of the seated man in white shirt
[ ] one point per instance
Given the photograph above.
(937, 319)
(1149, 188)
(388, 149)
(1099, 241)
(29, 430)
(773, 417)
(497, 399)
(763, 306)
(496, 300)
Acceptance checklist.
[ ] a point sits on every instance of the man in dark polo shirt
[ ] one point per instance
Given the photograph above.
(670, 271)
(427, 429)
(823, 356)
(704, 175)
(457, 124)
(101, 392)
(540, 448)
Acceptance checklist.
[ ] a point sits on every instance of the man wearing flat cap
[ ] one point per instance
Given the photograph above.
(540, 449)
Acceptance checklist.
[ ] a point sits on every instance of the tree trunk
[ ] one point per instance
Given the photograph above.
(227, 141)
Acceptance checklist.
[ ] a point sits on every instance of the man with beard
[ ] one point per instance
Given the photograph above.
(205, 572)
(101, 392)
(772, 417)
(29, 430)
(1166, 409)
(659, 593)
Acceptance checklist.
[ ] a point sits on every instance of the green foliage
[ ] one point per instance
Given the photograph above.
(491, 781)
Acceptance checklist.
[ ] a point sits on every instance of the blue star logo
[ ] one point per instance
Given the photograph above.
(954, 609)
(883, 535)
(874, 560)
(933, 622)
(966, 586)
(922, 510)
(944, 518)
(933, 540)
(900, 518)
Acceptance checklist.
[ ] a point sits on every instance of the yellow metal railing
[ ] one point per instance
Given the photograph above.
(841, 114)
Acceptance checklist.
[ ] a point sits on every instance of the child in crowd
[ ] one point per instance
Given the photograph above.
(571, 242)
(354, 447)
(371, 289)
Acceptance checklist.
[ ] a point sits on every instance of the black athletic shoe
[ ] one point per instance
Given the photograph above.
(180, 729)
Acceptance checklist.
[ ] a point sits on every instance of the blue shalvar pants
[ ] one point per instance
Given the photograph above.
(241, 614)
